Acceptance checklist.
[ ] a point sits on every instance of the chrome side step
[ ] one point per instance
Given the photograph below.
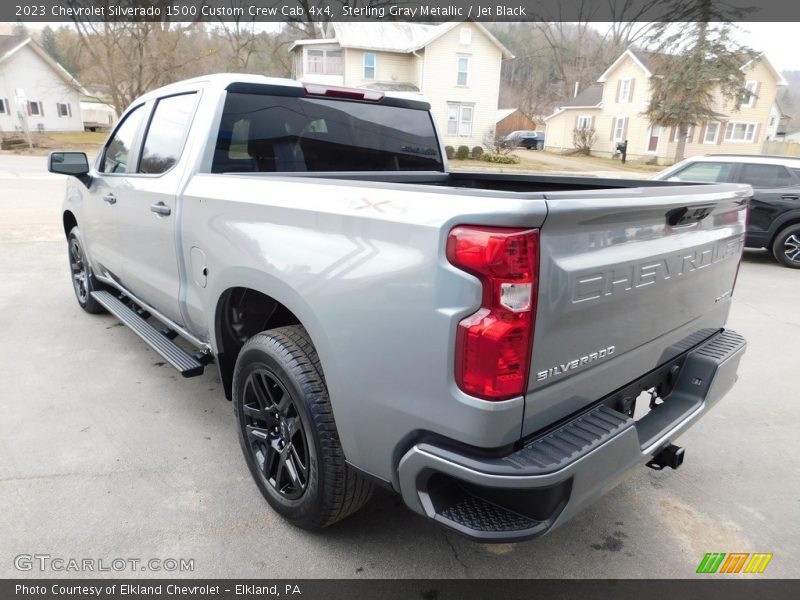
(176, 356)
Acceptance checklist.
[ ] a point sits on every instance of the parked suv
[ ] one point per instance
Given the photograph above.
(532, 140)
(774, 219)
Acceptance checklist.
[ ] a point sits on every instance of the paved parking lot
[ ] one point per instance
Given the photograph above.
(106, 453)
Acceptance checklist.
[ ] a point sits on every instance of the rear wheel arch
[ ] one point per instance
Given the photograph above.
(239, 314)
(781, 222)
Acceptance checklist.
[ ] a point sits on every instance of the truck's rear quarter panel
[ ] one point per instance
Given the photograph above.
(363, 267)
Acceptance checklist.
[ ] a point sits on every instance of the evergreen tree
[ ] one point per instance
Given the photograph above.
(696, 62)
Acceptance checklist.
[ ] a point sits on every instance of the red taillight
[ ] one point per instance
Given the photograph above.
(493, 345)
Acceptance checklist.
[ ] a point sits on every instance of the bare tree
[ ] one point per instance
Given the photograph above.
(133, 57)
(241, 37)
(318, 13)
(629, 25)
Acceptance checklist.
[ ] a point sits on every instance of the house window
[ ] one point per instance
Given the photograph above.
(740, 132)
(625, 90)
(771, 121)
(35, 109)
(750, 89)
(369, 66)
(465, 36)
(64, 110)
(712, 132)
(323, 62)
(463, 71)
(619, 128)
(584, 122)
(4, 107)
(689, 133)
(459, 119)
(654, 138)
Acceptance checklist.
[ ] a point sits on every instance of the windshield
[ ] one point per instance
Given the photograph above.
(269, 133)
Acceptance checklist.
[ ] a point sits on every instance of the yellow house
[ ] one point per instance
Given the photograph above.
(455, 66)
(614, 109)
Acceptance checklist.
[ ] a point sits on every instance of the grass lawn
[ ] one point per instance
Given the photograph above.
(616, 164)
(86, 141)
(524, 164)
(95, 138)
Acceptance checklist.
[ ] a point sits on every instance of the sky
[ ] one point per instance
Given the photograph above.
(776, 40)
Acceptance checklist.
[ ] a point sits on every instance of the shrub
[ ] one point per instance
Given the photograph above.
(477, 151)
(450, 152)
(462, 153)
(583, 140)
(496, 144)
(501, 159)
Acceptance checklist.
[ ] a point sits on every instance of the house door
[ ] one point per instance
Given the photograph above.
(652, 142)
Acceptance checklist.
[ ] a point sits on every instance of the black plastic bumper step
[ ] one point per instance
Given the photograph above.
(176, 356)
(477, 514)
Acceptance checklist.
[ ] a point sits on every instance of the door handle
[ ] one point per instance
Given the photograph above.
(790, 197)
(161, 209)
(110, 198)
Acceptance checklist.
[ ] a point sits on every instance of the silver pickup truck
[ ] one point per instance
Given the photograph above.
(498, 349)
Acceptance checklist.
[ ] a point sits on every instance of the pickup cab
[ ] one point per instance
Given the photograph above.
(497, 349)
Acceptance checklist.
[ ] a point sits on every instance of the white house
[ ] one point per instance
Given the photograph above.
(776, 126)
(456, 66)
(614, 109)
(35, 91)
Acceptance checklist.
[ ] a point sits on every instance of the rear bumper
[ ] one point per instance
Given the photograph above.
(553, 476)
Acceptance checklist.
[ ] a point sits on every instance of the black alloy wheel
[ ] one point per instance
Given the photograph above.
(83, 282)
(80, 271)
(276, 438)
(287, 431)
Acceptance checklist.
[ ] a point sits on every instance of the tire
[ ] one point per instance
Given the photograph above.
(786, 246)
(83, 281)
(287, 431)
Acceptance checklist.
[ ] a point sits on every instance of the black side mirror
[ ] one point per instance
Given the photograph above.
(70, 163)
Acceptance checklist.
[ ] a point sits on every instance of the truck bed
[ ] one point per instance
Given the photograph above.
(487, 181)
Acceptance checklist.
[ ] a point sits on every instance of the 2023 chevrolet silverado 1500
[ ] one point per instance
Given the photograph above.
(474, 342)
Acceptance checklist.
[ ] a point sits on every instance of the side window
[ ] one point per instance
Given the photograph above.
(765, 176)
(704, 172)
(115, 159)
(166, 133)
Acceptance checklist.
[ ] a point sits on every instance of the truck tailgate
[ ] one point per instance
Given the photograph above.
(628, 280)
